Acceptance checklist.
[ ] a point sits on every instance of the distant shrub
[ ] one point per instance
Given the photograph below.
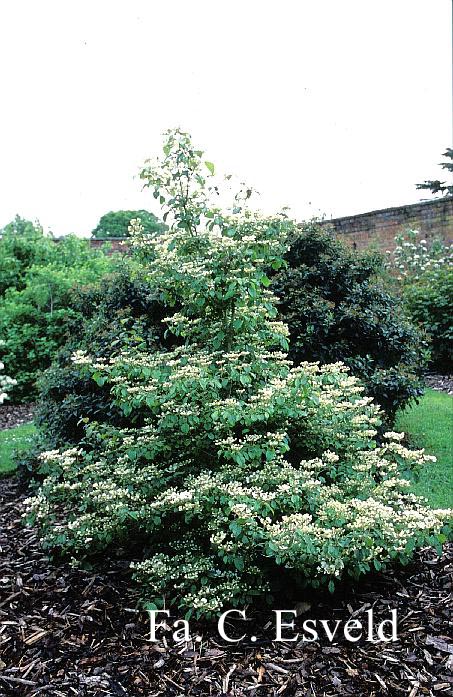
(22, 244)
(337, 309)
(430, 303)
(424, 274)
(38, 276)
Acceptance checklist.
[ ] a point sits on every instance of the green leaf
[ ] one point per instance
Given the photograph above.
(235, 528)
(99, 379)
(210, 166)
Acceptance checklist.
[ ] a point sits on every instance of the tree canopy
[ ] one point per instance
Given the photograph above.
(116, 223)
(435, 185)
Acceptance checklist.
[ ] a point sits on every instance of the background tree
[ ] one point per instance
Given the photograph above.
(116, 223)
(435, 185)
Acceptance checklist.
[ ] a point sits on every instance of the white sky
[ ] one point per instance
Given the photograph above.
(329, 106)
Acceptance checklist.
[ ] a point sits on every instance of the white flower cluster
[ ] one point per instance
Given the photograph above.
(6, 383)
(411, 257)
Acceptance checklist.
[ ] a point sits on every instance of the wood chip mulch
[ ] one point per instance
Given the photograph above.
(12, 415)
(441, 383)
(66, 632)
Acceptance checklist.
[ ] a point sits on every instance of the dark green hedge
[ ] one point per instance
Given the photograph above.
(338, 309)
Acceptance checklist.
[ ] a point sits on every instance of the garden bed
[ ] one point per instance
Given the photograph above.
(442, 383)
(72, 632)
(12, 415)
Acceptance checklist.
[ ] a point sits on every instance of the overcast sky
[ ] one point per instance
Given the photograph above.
(331, 107)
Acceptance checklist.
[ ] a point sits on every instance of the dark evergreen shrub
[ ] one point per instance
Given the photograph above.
(338, 309)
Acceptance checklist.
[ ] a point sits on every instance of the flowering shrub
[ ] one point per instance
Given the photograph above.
(6, 383)
(243, 472)
(334, 306)
(425, 275)
(412, 257)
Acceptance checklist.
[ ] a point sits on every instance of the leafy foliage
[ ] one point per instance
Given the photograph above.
(236, 472)
(430, 302)
(38, 276)
(337, 309)
(118, 312)
(424, 273)
(22, 243)
(116, 223)
(435, 185)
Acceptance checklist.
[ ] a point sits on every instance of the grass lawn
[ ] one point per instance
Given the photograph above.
(429, 425)
(10, 440)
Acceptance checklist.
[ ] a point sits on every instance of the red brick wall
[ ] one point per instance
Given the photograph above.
(115, 243)
(378, 228)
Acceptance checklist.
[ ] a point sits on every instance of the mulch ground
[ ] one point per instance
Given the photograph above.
(12, 415)
(442, 383)
(68, 632)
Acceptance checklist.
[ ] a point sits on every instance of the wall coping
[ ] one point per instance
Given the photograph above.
(392, 209)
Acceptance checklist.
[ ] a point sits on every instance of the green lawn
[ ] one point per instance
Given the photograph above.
(10, 440)
(429, 425)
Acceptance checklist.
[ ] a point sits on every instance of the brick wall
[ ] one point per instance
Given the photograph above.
(378, 228)
(114, 242)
